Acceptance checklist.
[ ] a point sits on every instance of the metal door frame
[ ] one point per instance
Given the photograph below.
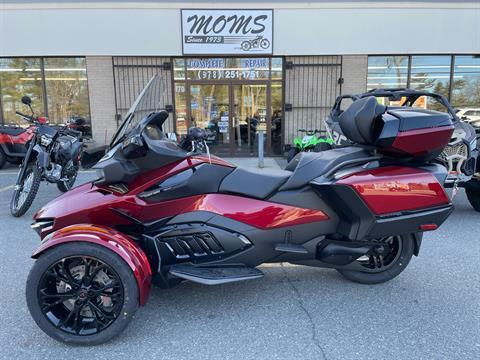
(231, 106)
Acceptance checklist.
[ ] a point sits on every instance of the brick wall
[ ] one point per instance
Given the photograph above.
(354, 73)
(102, 97)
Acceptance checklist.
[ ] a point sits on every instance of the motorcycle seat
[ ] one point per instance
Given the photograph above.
(254, 183)
(307, 166)
(11, 131)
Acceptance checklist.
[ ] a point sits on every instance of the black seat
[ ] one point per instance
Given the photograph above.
(11, 131)
(254, 183)
(307, 166)
(358, 122)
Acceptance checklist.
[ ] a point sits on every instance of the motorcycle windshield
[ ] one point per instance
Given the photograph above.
(147, 101)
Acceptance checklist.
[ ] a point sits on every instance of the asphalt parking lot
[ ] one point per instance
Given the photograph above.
(431, 311)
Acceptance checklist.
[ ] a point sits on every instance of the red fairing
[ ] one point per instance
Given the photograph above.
(87, 204)
(144, 181)
(395, 189)
(419, 142)
(257, 213)
(113, 240)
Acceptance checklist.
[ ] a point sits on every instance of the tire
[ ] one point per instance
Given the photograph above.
(65, 186)
(322, 146)
(400, 262)
(17, 210)
(264, 44)
(123, 311)
(3, 158)
(292, 153)
(246, 46)
(473, 196)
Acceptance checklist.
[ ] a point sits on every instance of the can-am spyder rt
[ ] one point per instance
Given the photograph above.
(159, 214)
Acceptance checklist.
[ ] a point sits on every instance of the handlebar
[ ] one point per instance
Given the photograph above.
(23, 115)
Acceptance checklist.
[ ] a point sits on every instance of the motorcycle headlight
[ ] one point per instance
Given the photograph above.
(45, 140)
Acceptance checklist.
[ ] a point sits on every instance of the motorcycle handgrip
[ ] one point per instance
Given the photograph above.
(22, 115)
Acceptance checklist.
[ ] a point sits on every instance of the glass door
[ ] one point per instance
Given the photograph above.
(209, 106)
(249, 116)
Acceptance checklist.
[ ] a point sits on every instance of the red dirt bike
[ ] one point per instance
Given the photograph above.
(158, 214)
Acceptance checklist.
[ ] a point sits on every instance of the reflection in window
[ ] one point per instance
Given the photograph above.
(466, 82)
(387, 72)
(277, 116)
(67, 90)
(181, 108)
(277, 68)
(19, 77)
(179, 69)
(431, 73)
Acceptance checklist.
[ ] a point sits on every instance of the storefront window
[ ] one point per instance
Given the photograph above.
(181, 108)
(65, 81)
(67, 90)
(19, 77)
(387, 72)
(179, 69)
(277, 68)
(466, 82)
(431, 73)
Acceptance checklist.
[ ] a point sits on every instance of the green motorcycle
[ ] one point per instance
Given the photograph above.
(310, 142)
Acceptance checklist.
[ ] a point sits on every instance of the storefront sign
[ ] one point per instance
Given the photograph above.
(220, 68)
(247, 32)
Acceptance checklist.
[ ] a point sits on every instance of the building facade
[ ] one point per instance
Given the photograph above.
(235, 68)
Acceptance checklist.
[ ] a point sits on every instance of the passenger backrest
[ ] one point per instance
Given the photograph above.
(358, 121)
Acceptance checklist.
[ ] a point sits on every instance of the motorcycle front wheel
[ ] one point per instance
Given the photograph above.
(70, 175)
(381, 268)
(81, 293)
(25, 191)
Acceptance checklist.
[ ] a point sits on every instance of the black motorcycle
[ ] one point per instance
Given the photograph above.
(53, 155)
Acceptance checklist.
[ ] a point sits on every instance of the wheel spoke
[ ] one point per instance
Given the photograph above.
(105, 314)
(49, 306)
(66, 272)
(86, 275)
(76, 323)
(64, 296)
(67, 319)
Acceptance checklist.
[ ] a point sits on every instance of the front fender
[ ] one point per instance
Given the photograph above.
(119, 243)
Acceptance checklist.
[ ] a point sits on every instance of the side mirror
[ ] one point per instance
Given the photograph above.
(26, 100)
(134, 147)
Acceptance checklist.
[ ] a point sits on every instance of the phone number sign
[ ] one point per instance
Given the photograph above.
(230, 32)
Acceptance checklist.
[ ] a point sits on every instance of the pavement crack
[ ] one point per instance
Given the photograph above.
(301, 305)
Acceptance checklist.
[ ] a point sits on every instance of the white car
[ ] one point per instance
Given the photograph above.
(470, 115)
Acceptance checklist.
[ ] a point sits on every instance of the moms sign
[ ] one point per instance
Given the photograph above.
(245, 32)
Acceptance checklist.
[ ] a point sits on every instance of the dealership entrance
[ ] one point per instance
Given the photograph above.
(234, 99)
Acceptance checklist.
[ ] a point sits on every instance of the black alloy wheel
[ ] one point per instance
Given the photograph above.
(85, 297)
(384, 262)
(80, 295)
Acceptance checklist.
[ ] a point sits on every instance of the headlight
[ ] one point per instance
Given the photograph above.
(45, 140)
